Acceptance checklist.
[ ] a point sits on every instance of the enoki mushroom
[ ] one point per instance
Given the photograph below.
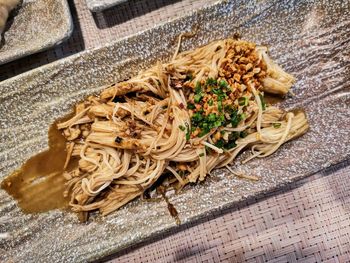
(180, 119)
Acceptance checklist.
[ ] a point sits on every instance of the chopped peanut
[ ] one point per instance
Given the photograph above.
(217, 135)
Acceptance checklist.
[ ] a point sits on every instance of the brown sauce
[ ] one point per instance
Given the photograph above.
(273, 99)
(39, 184)
(172, 210)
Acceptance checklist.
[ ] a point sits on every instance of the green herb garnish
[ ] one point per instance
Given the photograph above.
(218, 92)
(233, 136)
(190, 106)
(197, 98)
(198, 88)
(229, 109)
(243, 101)
(217, 123)
(208, 150)
(210, 102)
(212, 117)
(263, 103)
(230, 145)
(235, 118)
(188, 133)
(276, 125)
(220, 105)
(243, 134)
(182, 128)
(211, 82)
(201, 154)
(197, 117)
(220, 143)
(223, 84)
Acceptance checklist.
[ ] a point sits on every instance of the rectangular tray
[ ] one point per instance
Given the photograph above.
(309, 39)
(100, 5)
(35, 26)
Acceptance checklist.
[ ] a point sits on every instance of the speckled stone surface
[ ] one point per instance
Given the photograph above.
(309, 39)
(99, 5)
(35, 26)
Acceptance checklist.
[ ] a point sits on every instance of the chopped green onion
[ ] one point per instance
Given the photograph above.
(220, 143)
(197, 98)
(201, 154)
(220, 105)
(222, 96)
(188, 133)
(205, 127)
(208, 150)
(243, 101)
(198, 88)
(210, 102)
(182, 128)
(211, 82)
(235, 118)
(217, 124)
(228, 109)
(243, 116)
(233, 136)
(216, 91)
(276, 125)
(263, 103)
(230, 145)
(197, 117)
(191, 106)
(212, 117)
(243, 134)
(223, 84)
(204, 132)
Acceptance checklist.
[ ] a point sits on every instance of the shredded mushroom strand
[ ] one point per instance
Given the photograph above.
(183, 118)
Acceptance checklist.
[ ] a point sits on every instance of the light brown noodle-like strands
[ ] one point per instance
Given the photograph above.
(183, 119)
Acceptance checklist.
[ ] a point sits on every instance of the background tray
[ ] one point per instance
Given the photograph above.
(295, 34)
(99, 5)
(35, 26)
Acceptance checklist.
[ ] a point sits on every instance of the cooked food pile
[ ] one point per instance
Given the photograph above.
(6, 7)
(181, 120)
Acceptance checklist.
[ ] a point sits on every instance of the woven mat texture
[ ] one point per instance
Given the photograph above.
(308, 221)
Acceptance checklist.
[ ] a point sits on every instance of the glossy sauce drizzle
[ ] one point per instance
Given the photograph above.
(39, 184)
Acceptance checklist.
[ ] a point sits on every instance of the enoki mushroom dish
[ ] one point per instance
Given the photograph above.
(178, 120)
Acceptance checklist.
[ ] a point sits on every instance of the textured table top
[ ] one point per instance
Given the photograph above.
(308, 221)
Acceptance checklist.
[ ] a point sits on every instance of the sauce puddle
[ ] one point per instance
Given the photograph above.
(39, 184)
(273, 99)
